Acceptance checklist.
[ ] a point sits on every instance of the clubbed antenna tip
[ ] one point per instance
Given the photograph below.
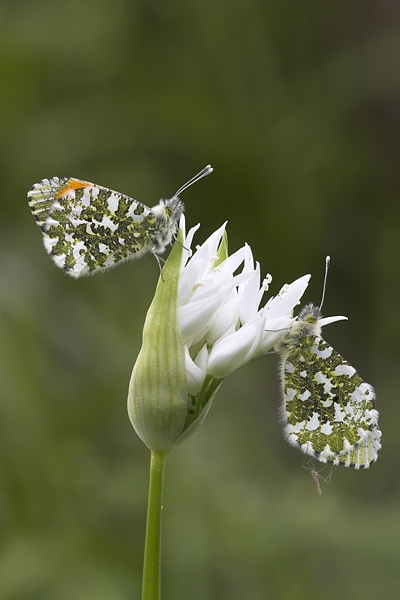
(206, 171)
(327, 263)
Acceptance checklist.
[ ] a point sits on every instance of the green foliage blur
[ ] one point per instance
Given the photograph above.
(297, 107)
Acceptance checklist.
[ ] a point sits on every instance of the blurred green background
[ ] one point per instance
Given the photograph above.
(297, 107)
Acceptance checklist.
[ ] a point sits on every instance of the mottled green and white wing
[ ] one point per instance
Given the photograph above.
(88, 228)
(328, 410)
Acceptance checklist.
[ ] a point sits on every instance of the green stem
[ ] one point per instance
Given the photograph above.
(151, 589)
(208, 388)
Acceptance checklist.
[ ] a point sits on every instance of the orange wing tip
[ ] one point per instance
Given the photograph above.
(73, 184)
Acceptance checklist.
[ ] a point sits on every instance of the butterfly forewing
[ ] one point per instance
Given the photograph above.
(88, 228)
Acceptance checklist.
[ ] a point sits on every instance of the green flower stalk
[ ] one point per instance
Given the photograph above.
(204, 323)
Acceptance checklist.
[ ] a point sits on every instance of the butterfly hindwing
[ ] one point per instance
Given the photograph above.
(88, 228)
(328, 410)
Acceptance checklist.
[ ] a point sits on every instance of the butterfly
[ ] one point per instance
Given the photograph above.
(88, 228)
(328, 411)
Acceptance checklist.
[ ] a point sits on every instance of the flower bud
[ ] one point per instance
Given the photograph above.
(157, 398)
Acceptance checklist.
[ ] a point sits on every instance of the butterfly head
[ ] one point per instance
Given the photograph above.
(168, 213)
(308, 321)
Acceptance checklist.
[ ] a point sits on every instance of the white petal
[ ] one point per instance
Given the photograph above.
(201, 359)
(233, 283)
(226, 316)
(195, 374)
(196, 316)
(198, 268)
(226, 269)
(249, 260)
(203, 259)
(328, 320)
(187, 244)
(250, 297)
(236, 349)
(189, 279)
(284, 303)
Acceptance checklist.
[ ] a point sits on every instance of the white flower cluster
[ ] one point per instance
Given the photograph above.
(222, 324)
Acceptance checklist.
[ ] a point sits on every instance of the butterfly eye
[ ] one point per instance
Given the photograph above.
(311, 318)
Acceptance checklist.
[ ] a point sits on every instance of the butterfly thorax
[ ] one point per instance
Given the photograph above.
(303, 330)
(167, 214)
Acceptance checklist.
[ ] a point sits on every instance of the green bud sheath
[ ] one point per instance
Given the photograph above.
(157, 398)
(222, 252)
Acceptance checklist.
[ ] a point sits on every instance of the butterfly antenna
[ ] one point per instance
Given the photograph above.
(206, 171)
(327, 263)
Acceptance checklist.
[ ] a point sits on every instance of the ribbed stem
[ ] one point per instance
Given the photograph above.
(151, 589)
